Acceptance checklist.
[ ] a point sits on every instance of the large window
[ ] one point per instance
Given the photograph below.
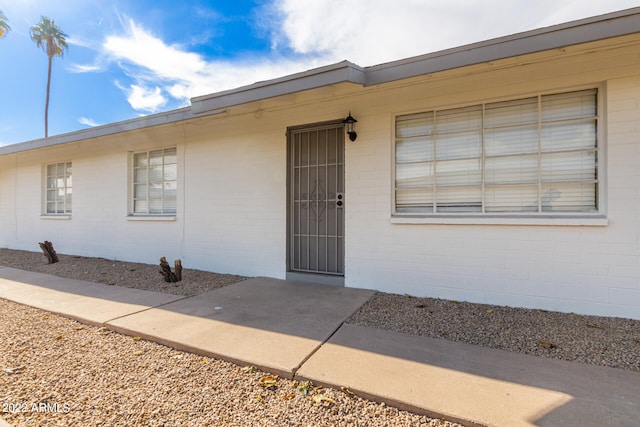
(155, 182)
(58, 189)
(532, 155)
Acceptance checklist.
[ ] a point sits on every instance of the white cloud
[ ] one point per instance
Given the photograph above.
(145, 99)
(372, 32)
(88, 122)
(79, 68)
(161, 71)
(367, 32)
(77, 41)
(144, 50)
(576, 9)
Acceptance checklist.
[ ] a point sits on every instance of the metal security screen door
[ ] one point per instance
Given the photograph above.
(316, 196)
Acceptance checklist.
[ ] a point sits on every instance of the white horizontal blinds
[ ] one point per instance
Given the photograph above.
(52, 189)
(439, 161)
(415, 163)
(568, 145)
(59, 188)
(155, 182)
(458, 141)
(68, 190)
(170, 181)
(140, 183)
(511, 156)
(537, 154)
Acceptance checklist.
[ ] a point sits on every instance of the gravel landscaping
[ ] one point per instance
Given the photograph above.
(95, 377)
(58, 372)
(118, 273)
(603, 341)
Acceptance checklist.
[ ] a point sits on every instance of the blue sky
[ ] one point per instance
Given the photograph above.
(129, 58)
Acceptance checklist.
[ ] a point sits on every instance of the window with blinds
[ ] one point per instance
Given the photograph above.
(58, 188)
(155, 182)
(531, 155)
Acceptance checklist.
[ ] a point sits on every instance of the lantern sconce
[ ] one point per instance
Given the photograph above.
(350, 126)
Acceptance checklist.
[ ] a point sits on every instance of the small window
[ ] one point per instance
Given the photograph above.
(536, 155)
(58, 189)
(154, 182)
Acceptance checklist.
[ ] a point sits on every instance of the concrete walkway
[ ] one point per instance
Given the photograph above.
(297, 330)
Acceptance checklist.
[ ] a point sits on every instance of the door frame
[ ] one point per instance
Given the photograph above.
(328, 279)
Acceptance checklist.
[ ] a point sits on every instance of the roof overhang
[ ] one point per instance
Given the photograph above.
(342, 72)
(587, 30)
(583, 31)
(100, 131)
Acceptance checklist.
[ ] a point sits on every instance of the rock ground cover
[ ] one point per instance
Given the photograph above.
(58, 372)
(602, 341)
(110, 379)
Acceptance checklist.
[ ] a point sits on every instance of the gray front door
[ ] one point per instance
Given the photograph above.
(316, 199)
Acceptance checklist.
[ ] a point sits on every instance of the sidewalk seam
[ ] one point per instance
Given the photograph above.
(143, 310)
(295, 370)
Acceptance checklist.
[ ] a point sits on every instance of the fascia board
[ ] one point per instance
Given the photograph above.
(583, 31)
(342, 72)
(577, 32)
(99, 131)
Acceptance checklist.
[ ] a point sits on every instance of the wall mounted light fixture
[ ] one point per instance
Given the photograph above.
(350, 127)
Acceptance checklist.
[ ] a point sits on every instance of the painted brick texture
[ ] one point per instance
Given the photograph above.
(586, 269)
(232, 193)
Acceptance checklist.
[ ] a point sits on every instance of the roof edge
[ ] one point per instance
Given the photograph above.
(341, 72)
(586, 30)
(99, 131)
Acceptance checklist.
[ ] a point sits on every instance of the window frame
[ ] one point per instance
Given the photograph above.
(164, 215)
(59, 199)
(597, 218)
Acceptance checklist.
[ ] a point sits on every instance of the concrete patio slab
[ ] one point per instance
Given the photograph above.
(272, 324)
(89, 302)
(472, 384)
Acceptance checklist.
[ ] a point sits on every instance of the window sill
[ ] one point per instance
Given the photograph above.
(587, 221)
(55, 217)
(159, 218)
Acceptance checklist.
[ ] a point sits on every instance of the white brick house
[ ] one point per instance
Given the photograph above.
(503, 172)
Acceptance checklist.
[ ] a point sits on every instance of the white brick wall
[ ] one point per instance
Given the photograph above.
(7, 207)
(593, 270)
(232, 195)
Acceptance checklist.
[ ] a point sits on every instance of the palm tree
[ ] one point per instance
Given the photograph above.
(47, 35)
(4, 27)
